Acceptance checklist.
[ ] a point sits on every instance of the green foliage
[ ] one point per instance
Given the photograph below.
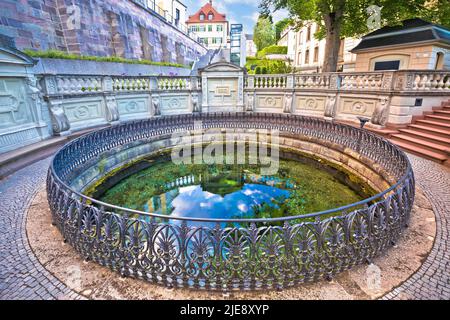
(355, 15)
(55, 54)
(266, 66)
(274, 49)
(263, 33)
(280, 26)
(341, 18)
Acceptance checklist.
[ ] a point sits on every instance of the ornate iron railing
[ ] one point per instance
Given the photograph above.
(221, 254)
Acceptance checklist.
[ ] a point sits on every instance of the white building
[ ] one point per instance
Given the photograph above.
(174, 11)
(308, 53)
(210, 26)
(250, 46)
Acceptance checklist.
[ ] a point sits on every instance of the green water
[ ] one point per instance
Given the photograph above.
(232, 191)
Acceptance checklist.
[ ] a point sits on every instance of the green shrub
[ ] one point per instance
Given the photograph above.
(55, 54)
(271, 50)
(258, 66)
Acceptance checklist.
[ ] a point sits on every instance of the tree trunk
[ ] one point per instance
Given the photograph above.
(333, 26)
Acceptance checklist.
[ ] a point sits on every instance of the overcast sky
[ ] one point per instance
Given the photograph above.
(237, 11)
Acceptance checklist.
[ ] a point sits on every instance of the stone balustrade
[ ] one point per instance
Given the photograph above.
(268, 81)
(424, 81)
(390, 98)
(385, 97)
(121, 84)
(78, 84)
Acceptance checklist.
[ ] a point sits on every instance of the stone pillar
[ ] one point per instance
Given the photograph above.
(330, 107)
(288, 106)
(156, 105)
(204, 92)
(112, 111)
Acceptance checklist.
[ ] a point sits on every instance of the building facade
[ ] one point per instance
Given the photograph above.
(415, 45)
(174, 10)
(238, 51)
(307, 53)
(210, 26)
(250, 46)
(129, 29)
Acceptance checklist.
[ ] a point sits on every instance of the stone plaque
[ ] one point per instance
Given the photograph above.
(223, 91)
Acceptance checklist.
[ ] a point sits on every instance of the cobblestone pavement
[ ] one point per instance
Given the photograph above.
(23, 277)
(432, 280)
(21, 274)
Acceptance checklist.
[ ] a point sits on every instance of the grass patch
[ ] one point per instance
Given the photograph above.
(55, 54)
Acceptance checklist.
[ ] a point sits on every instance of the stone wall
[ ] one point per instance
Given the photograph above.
(96, 27)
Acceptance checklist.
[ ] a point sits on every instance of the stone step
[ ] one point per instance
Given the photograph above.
(432, 130)
(436, 124)
(439, 118)
(432, 146)
(443, 111)
(427, 136)
(423, 152)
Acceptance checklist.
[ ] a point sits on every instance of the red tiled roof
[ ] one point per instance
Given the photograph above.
(206, 10)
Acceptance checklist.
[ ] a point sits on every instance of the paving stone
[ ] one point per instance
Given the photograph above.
(431, 280)
(23, 277)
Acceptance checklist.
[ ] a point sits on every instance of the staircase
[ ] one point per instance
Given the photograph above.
(429, 136)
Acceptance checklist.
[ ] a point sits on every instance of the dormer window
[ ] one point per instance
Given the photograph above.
(202, 16)
(210, 16)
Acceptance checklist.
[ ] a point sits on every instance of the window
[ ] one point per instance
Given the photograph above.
(177, 16)
(308, 34)
(299, 58)
(216, 40)
(389, 62)
(210, 16)
(387, 65)
(202, 16)
(219, 28)
(439, 61)
(307, 56)
(202, 28)
(210, 28)
(204, 40)
(316, 54)
(300, 37)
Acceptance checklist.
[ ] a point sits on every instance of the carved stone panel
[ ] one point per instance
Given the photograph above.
(269, 102)
(174, 104)
(310, 103)
(357, 107)
(129, 106)
(84, 111)
(14, 107)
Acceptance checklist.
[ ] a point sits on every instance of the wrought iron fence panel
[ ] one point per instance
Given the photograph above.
(230, 254)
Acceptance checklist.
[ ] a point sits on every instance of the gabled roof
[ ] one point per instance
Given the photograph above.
(412, 31)
(206, 10)
(10, 54)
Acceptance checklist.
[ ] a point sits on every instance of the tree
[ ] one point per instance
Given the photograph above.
(280, 26)
(348, 18)
(264, 32)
